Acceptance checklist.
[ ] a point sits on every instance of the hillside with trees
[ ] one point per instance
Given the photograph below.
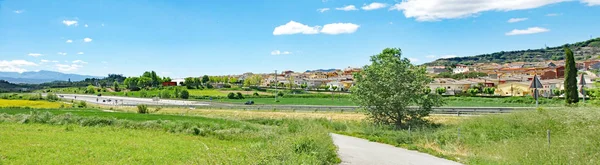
(589, 49)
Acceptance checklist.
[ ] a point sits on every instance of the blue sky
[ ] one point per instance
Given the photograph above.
(193, 38)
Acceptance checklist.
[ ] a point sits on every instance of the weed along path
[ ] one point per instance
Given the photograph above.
(363, 152)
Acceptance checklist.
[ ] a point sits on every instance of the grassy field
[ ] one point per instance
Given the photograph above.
(517, 138)
(81, 136)
(30, 104)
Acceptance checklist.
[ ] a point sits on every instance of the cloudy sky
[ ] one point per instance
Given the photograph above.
(192, 38)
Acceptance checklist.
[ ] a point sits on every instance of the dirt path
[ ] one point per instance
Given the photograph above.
(363, 152)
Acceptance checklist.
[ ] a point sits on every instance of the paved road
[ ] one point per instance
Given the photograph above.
(116, 100)
(363, 152)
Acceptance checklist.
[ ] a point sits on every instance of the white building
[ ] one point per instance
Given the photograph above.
(460, 69)
(179, 81)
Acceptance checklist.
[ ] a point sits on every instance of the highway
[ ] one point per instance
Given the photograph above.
(128, 101)
(132, 101)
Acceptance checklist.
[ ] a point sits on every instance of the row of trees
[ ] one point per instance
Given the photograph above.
(148, 80)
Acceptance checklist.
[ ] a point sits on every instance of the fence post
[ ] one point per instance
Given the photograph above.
(409, 133)
(458, 134)
(548, 136)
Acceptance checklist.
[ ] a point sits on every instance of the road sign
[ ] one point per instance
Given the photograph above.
(582, 80)
(536, 83)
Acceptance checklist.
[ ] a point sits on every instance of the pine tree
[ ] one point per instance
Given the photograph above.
(571, 93)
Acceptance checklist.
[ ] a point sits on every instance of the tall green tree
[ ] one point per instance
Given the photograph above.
(116, 86)
(571, 93)
(390, 85)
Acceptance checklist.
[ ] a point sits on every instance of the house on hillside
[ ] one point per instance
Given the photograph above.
(436, 69)
(452, 86)
(339, 85)
(460, 69)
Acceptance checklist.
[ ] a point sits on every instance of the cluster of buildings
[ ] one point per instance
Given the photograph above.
(513, 79)
(341, 79)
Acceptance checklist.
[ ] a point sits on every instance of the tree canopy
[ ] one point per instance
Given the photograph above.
(392, 91)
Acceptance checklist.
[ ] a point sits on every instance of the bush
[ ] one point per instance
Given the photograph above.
(231, 95)
(240, 96)
(81, 104)
(142, 109)
(255, 94)
(165, 94)
(280, 94)
(143, 93)
(52, 97)
(226, 86)
(184, 94)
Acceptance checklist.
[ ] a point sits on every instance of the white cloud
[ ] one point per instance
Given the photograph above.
(62, 53)
(322, 10)
(513, 20)
(79, 52)
(293, 27)
(430, 56)
(85, 25)
(433, 10)
(34, 54)
(69, 41)
(104, 62)
(19, 11)
(531, 30)
(339, 28)
(79, 62)
(55, 61)
(591, 2)
(68, 68)
(15, 65)
(102, 24)
(44, 61)
(87, 40)
(277, 52)
(347, 8)
(448, 56)
(374, 6)
(391, 23)
(69, 22)
(553, 14)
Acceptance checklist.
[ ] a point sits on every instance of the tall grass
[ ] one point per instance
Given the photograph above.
(292, 142)
(517, 138)
(30, 104)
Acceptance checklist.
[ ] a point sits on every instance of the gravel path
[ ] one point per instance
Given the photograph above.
(363, 152)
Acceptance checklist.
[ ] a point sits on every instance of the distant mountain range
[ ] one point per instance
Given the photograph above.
(584, 50)
(41, 77)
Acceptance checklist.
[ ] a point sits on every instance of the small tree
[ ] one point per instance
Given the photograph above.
(239, 95)
(303, 85)
(116, 86)
(184, 94)
(473, 91)
(90, 89)
(334, 88)
(231, 95)
(390, 85)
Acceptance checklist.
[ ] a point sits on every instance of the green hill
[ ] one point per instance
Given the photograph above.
(582, 50)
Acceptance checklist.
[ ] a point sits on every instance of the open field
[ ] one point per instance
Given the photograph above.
(517, 138)
(89, 135)
(30, 104)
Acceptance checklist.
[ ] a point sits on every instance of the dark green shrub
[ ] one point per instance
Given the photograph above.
(231, 95)
(184, 94)
(239, 95)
